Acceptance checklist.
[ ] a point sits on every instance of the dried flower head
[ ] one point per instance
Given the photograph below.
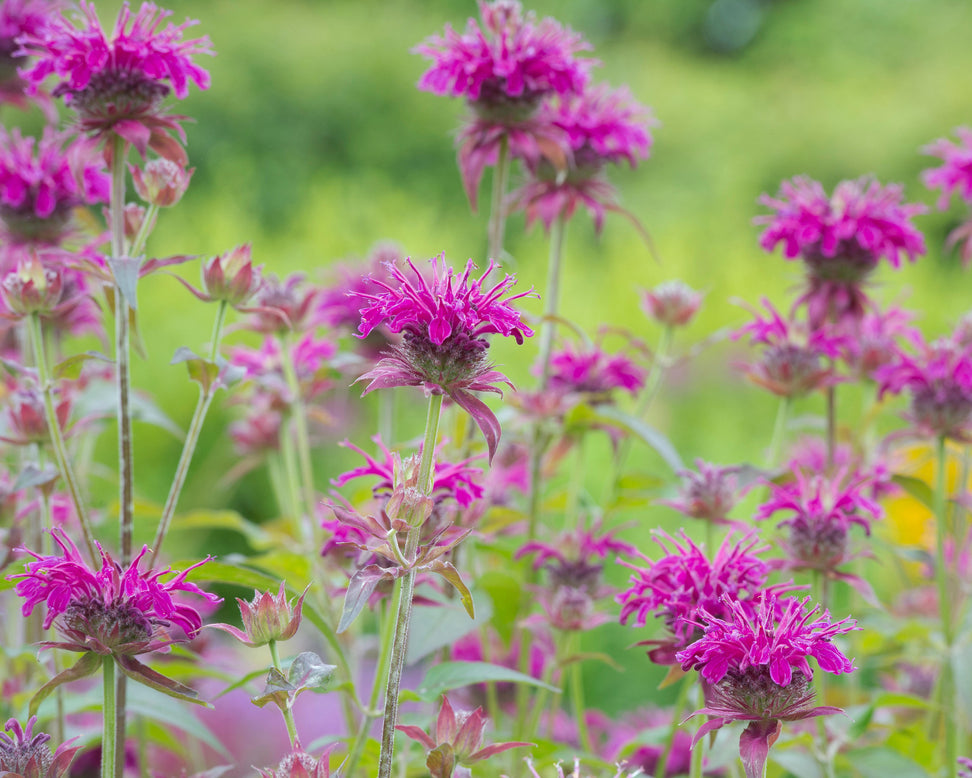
(672, 303)
(28, 755)
(938, 379)
(117, 83)
(267, 617)
(679, 584)
(42, 181)
(444, 322)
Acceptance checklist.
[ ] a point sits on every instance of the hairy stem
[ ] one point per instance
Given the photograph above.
(288, 713)
(298, 412)
(109, 734)
(497, 209)
(192, 439)
(404, 615)
(35, 327)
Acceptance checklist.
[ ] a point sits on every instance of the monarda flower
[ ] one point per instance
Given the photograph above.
(504, 69)
(938, 379)
(593, 373)
(110, 612)
(42, 181)
(558, 771)
(456, 742)
(873, 341)
(754, 666)
(18, 18)
(709, 492)
(444, 322)
(29, 755)
(282, 306)
(954, 175)
(117, 84)
(819, 511)
(300, 764)
(679, 584)
(840, 238)
(603, 126)
(671, 303)
(792, 363)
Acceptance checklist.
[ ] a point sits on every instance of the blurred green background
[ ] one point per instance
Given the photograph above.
(313, 143)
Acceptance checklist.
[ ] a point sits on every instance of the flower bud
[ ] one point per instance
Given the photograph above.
(267, 617)
(672, 303)
(162, 182)
(31, 288)
(27, 418)
(134, 217)
(231, 276)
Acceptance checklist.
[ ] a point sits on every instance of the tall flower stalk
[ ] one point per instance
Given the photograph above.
(945, 593)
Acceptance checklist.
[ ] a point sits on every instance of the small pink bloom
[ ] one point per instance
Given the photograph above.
(231, 276)
(955, 173)
(31, 288)
(672, 303)
(708, 493)
(300, 764)
(280, 306)
(266, 618)
(161, 182)
(594, 372)
(29, 755)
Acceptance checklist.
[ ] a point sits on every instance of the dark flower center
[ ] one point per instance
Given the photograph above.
(115, 626)
(114, 96)
(459, 359)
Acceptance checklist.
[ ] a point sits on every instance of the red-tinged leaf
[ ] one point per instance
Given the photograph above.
(360, 588)
(157, 263)
(166, 146)
(495, 748)
(447, 571)
(277, 690)
(87, 665)
(197, 293)
(416, 733)
(754, 745)
(146, 676)
(485, 419)
(135, 132)
(441, 761)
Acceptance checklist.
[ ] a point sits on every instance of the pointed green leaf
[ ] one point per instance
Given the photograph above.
(71, 367)
(278, 690)
(202, 371)
(648, 434)
(89, 663)
(453, 675)
(916, 488)
(436, 628)
(448, 571)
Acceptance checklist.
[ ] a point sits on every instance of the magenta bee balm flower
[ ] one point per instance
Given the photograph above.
(955, 174)
(594, 372)
(754, 665)
(29, 755)
(444, 322)
(840, 238)
(117, 83)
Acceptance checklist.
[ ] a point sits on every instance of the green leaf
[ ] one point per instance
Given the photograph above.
(882, 762)
(916, 488)
(278, 690)
(799, 763)
(453, 675)
(448, 571)
(226, 520)
(172, 712)
(32, 476)
(435, 628)
(146, 676)
(88, 664)
(308, 671)
(71, 367)
(292, 568)
(202, 371)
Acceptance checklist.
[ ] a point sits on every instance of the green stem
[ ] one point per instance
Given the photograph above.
(577, 695)
(192, 439)
(288, 714)
(381, 673)
(57, 437)
(548, 326)
(108, 734)
(497, 209)
(298, 411)
(661, 769)
(698, 757)
(831, 425)
(404, 615)
(148, 223)
(947, 686)
(779, 433)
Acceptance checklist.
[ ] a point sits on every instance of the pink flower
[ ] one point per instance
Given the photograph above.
(511, 59)
(708, 493)
(109, 611)
(955, 173)
(965, 767)
(42, 181)
(671, 303)
(280, 306)
(459, 480)
(594, 372)
(675, 587)
(18, 18)
(339, 305)
(754, 667)
(29, 755)
(938, 379)
(602, 126)
(457, 740)
(118, 83)
(311, 358)
(840, 238)
(873, 340)
(792, 364)
(444, 322)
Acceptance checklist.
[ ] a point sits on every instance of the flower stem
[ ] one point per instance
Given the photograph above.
(661, 769)
(577, 694)
(288, 714)
(779, 433)
(404, 614)
(698, 753)
(35, 327)
(299, 414)
(548, 326)
(947, 684)
(831, 425)
(192, 438)
(108, 734)
(497, 208)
